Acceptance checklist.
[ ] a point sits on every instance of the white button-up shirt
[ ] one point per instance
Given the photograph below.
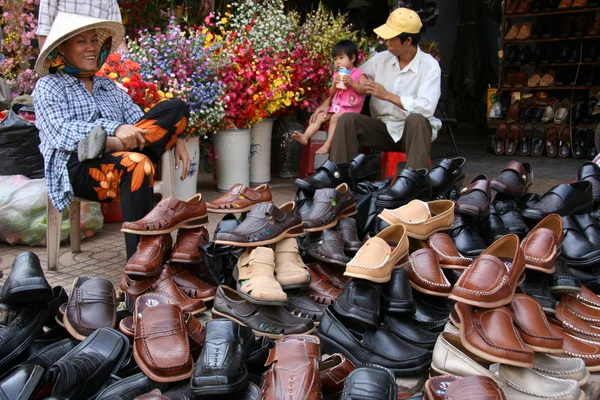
(104, 9)
(418, 85)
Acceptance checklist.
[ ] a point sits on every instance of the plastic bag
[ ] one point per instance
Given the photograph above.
(23, 218)
(19, 141)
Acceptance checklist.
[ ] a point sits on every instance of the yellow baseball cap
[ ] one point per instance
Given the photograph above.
(401, 20)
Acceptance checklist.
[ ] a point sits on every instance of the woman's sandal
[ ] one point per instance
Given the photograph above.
(255, 276)
(93, 145)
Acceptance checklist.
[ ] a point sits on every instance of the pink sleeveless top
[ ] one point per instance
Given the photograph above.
(348, 100)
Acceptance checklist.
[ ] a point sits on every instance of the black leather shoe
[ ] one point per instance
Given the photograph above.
(258, 353)
(465, 236)
(492, 228)
(22, 382)
(183, 392)
(26, 283)
(328, 175)
(512, 219)
(536, 285)
(589, 277)
(576, 248)
(50, 354)
(446, 175)
(347, 228)
(563, 199)
(304, 202)
(372, 382)
(302, 305)
(588, 226)
(16, 337)
(131, 387)
(373, 346)
(563, 281)
(409, 185)
(590, 172)
(359, 300)
(364, 167)
(396, 294)
(83, 371)
(406, 329)
(221, 367)
(431, 312)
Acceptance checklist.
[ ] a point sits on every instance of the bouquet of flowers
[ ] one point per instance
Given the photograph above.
(125, 73)
(177, 62)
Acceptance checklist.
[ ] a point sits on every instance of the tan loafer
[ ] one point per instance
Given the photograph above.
(422, 219)
(376, 259)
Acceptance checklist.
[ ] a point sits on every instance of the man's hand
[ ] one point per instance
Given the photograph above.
(182, 155)
(323, 108)
(131, 136)
(376, 89)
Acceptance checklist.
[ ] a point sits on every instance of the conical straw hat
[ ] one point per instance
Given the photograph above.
(67, 25)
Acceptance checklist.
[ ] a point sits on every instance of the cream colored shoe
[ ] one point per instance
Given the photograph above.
(290, 270)
(422, 219)
(255, 275)
(376, 259)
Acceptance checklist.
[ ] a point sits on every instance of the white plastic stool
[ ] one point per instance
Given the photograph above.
(54, 218)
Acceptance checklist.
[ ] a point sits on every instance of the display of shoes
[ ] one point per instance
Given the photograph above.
(411, 184)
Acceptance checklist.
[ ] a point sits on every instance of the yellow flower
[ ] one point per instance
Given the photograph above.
(287, 102)
(224, 20)
(169, 95)
(228, 14)
(125, 80)
(161, 93)
(219, 37)
(113, 75)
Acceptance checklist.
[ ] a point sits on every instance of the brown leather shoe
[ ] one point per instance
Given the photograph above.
(170, 214)
(436, 386)
(329, 248)
(511, 6)
(524, 6)
(135, 288)
(586, 312)
(189, 283)
(547, 79)
(335, 277)
(161, 346)
(541, 246)
(329, 205)
(474, 387)
(379, 255)
(494, 275)
(474, 199)
(521, 79)
(587, 350)
(533, 325)
(512, 32)
(514, 180)
(265, 224)
(240, 198)
(321, 290)
(588, 297)
(491, 335)
(425, 274)
(524, 32)
(564, 4)
(580, 3)
(575, 326)
(187, 245)
(446, 251)
(334, 372)
(92, 305)
(167, 287)
(149, 256)
(512, 115)
(293, 369)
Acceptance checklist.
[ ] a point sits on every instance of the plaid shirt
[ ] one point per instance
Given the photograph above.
(65, 113)
(104, 9)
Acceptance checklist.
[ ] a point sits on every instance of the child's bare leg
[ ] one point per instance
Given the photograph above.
(332, 124)
(313, 128)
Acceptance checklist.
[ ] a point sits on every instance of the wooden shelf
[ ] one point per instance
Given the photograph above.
(493, 123)
(556, 12)
(550, 65)
(558, 39)
(556, 88)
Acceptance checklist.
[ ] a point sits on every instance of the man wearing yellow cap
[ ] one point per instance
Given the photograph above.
(405, 86)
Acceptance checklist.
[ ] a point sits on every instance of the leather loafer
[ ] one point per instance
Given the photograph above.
(586, 350)
(406, 329)
(328, 175)
(334, 371)
(26, 283)
(396, 295)
(514, 180)
(563, 199)
(50, 354)
(128, 388)
(576, 326)
(347, 228)
(480, 386)
(425, 274)
(86, 369)
(187, 246)
(588, 313)
(359, 300)
(409, 185)
(588, 226)
(577, 249)
(16, 337)
(370, 382)
(421, 219)
(374, 346)
(475, 199)
(464, 234)
(23, 382)
(149, 256)
(588, 297)
(590, 172)
(563, 281)
(542, 244)
(221, 367)
(533, 326)
(431, 313)
(447, 253)
(446, 175)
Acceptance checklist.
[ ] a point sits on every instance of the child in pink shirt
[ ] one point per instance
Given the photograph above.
(350, 99)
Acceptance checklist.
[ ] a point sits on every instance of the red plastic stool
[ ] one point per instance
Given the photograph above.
(307, 162)
(390, 160)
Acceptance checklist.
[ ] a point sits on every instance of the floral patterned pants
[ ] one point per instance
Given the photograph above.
(128, 176)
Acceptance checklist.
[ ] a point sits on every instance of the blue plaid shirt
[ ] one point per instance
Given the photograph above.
(65, 113)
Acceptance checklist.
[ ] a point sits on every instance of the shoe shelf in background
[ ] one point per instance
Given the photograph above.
(494, 122)
(554, 12)
(558, 39)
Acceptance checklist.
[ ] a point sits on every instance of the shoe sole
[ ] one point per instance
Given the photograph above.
(256, 332)
(483, 304)
(540, 269)
(330, 347)
(347, 212)
(296, 285)
(292, 232)
(504, 192)
(239, 385)
(138, 273)
(233, 210)
(377, 280)
(197, 222)
(561, 289)
(547, 350)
